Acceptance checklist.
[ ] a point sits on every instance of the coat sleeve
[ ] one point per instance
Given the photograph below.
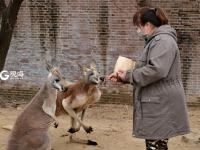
(161, 57)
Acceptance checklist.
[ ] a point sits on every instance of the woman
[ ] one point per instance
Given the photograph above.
(160, 110)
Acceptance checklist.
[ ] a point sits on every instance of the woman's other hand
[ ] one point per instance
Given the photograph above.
(121, 74)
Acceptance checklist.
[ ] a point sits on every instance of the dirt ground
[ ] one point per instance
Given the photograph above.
(112, 130)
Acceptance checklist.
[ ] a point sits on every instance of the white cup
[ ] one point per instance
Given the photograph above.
(124, 64)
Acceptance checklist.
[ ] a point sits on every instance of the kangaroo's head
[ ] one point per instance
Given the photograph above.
(92, 76)
(56, 79)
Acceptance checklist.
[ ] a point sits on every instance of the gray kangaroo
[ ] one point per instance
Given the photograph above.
(30, 131)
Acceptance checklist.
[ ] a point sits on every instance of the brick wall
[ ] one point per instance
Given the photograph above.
(100, 29)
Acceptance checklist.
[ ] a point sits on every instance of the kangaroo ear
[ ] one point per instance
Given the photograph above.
(55, 64)
(85, 70)
(49, 67)
(93, 66)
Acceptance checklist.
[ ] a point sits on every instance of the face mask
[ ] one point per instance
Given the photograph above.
(141, 34)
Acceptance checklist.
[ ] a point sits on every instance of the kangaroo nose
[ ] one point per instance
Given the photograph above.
(64, 89)
(102, 78)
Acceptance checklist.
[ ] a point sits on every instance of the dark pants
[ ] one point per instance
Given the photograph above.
(156, 144)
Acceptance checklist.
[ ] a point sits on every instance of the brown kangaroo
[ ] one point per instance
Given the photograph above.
(79, 97)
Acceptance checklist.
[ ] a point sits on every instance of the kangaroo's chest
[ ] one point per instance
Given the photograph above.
(85, 99)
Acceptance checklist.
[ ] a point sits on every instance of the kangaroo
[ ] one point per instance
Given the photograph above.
(79, 97)
(30, 131)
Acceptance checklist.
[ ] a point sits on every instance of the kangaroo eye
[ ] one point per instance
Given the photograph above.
(91, 73)
(57, 80)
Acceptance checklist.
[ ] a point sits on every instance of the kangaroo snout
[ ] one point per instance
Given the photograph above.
(102, 78)
(64, 89)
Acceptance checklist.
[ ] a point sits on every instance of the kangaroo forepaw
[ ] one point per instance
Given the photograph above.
(89, 129)
(55, 125)
(72, 130)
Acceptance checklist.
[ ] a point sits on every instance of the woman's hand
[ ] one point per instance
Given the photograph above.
(118, 76)
(121, 74)
(113, 77)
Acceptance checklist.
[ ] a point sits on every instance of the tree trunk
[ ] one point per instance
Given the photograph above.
(2, 6)
(8, 21)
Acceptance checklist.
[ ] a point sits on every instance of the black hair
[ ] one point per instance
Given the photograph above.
(155, 16)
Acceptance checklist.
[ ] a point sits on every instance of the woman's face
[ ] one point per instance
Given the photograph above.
(146, 30)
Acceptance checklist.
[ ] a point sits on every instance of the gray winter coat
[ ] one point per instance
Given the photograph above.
(160, 109)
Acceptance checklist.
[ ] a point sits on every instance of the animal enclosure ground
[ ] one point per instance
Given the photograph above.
(112, 129)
